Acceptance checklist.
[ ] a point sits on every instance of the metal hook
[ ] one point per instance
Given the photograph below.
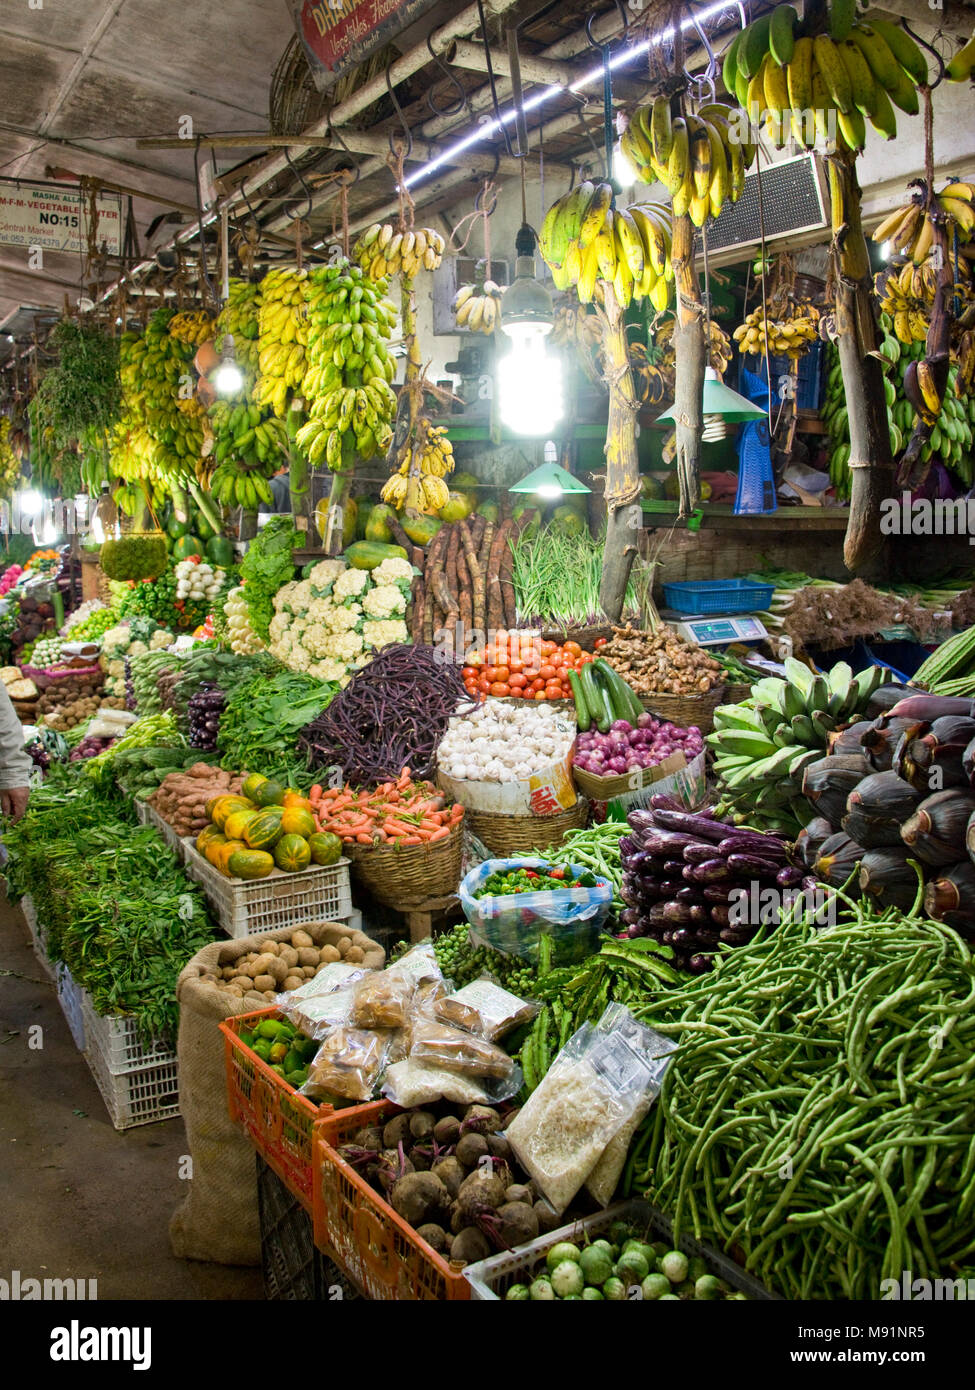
(491, 80)
(461, 104)
(933, 51)
(402, 119)
(295, 216)
(712, 61)
(333, 134)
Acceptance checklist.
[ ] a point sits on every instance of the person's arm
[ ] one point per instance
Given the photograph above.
(15, 763)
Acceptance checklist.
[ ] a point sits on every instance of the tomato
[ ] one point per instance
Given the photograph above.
(499, 688)
(517, 681)
(540, 695)
(547, 672)
(469, 673)
(548, 648)
(532, 672)
(501, 673)
(599, 642)
(490, 674)
(585, 659)
(536, 686)
(573, 649)
(482, 685)
(553, 692)
(515, 663)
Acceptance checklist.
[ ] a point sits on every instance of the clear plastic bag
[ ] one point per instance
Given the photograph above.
(348, 1065)
(419, 964)
(458, 1051)
(588, 1095)
(383, 1000)
(485, 1009)
(513, 923)
(317, 1016)
(336, 975)
(415, 1082)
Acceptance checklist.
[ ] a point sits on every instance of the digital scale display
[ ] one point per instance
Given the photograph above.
(717, 632)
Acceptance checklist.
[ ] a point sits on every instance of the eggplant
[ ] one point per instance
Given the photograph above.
(737, 936)
(838, 858)
(689, 893)
(635, 861)
(847, 741)
(709, 937)
(750, 864)
(700, 915)
(630, 916)
(826, 784)
(660, 802)
(688, 823)
(789, 877)
(752, 842)
(676, 914)
(936, 831)
(887, 877)
(699, 854)
(684, 938)
(666, 842)
(811, 839)
(877, 808)
(673, 868)
(700, 965)
(714, 871)
(715, 893)
(669, 887)
(950, 898)
(721, 914)
(968, 763)
(629, 844)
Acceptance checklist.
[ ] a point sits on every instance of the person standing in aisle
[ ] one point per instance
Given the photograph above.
(280, 492)
(15, 763)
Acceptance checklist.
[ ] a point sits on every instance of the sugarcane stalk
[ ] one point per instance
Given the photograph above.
(624, 516)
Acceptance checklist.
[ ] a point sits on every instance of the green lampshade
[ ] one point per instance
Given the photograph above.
(721, 400)
(549, 481)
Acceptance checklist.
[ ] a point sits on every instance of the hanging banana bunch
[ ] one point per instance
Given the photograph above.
(719, 350)
(478, 307)
(962, 64)
(382, 251)
(585, 241)
(422, 464)
(828, 85)
(906, 293)
(700, 159)
(910, 229)
(347, 384)
(192, 328)
(787, 337)
(240, 317)
(283, 338)
(9, 462)
(649, 380)
(158, 440)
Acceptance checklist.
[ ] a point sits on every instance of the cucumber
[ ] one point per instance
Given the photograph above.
(591, 694)
(607, 712)
(624, 696)
(583, 717)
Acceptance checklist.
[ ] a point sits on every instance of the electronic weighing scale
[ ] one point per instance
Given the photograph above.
(709, 630)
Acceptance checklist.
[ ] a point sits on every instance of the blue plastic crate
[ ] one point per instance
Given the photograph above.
(809, 386)
(718, 596)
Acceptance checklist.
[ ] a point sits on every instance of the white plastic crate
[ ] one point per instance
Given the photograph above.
(321, 893)
(38, 935)
(139, 1097)
(491, 1278)
(116, 1041)
(71, 997)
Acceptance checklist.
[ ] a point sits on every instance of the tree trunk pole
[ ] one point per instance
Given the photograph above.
(690, 355)
(623, 511)
(871, 465)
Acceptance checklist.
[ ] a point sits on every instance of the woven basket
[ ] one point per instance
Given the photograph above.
(685, 710)
(507, 836)
(736, 692)
(404, 877)
(585, 636)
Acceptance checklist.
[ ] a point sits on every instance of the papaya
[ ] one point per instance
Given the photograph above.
(458, 506)
(420, 529)
(377, 527)
(222, 854)
(464, 480)
(567, 520)
(250, 863)
(205, 836)
(363, 512)
(269, 793)
(176, 528)
(220, 552)
(366, 555)
(251, 783)
(296, 799)
(188, 546)
(218, 808)
(489, 510)
(349, 517)
(212, 845)
(297, 821)
(236, 823)
(264, 830)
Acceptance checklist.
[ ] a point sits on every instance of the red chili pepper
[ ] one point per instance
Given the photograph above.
(556, 873)
(530, 873)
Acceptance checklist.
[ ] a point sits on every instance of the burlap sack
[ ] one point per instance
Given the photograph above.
(217, 1220)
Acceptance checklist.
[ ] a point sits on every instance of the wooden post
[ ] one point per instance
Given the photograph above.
(871, 465)
(624, 516)
(690, 355)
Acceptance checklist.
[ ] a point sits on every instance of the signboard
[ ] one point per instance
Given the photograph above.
(55, 216)
(338, 34)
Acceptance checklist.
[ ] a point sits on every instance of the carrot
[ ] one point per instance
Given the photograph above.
(363, 839)
(457, 812)
(411, 840)
(429, 824)
(315, 794)
(398, 827)
(440, 834)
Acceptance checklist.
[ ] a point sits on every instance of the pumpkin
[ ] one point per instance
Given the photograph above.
(295, 820)
(264, 831)
(205, 836)
(251, 783)
(224, 852)
(296, 799)
(292, 854)
(212, 845)
(237, 821)
(270, 793)
(218, 808)
(248, 863)
(325, 847)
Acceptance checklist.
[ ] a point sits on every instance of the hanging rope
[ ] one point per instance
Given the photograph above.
(396, 160)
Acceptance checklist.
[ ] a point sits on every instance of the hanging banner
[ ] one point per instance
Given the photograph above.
(55, 216)
(338, 34)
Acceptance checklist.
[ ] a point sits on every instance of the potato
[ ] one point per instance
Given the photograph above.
(307, 970)
(329, 954)
(256, 1001)
(354, 955)
(263, 964)
(288, 954)
(279, 970)
(228, 972)
(270, 995)
(344, 945)
(264, 982)
(292, 982)
(270, 948)
(243, 982)
(234, 992)
(307, 955)
(301, 938)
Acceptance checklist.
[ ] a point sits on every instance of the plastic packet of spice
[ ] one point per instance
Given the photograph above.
(317, 1016)
(458, 1051)
(348, 1065)
(484, 1008)
(419, 964)
(413, 1082)
(383, 1000)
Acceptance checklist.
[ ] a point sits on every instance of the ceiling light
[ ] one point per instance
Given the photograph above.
(228, 379)
(550, 481)
(529, 379)
(722, 402)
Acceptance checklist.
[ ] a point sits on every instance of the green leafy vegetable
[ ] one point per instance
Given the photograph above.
(268, 564)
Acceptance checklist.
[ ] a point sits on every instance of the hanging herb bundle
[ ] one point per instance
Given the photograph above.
(80, 397)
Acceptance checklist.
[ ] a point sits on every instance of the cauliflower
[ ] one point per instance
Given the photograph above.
(301, 597)
(350, 584)
(138, 649)
(328, 671)
(117, 668)
(385, 601)
(344, 646)
(315, 640)
(160, 639)
(382, 633)
(324, 575)
(277, 626)
(299, 659)
(319, 610)
(344, 619)
(392, 571)
(282, 598)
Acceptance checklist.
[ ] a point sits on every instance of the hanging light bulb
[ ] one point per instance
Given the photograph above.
(623, 172)
(551, 481)
(104, 521)
(529, 378)
(228, 379)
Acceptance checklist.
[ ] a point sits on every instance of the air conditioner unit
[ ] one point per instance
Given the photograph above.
(453, 272)
(794, 204)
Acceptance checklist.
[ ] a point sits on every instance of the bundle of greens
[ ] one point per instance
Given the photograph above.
(80, 397)
(268, 564)
(263, 716)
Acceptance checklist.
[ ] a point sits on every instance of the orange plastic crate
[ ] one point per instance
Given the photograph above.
(361, 1232)
(277, 1120)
